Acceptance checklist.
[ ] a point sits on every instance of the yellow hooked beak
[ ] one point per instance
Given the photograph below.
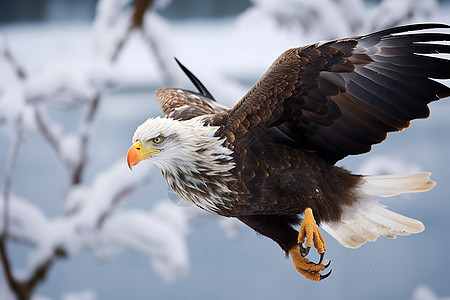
(135, 154)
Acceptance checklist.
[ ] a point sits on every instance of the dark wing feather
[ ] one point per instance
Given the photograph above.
(340, 97)
(198, 84)
(181, 104)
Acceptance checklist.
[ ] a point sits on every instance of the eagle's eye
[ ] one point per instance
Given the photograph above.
(158, 140)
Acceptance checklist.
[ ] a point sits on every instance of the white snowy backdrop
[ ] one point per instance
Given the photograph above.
(77, 224)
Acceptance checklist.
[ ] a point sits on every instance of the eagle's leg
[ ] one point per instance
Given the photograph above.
(310, 231)
(305, 267)
(279, 229)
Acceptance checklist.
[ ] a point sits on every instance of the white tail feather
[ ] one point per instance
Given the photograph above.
(391, 185)
(367, 219)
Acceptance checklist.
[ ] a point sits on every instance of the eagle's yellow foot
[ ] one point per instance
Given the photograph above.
(310, 231)
(308, 269)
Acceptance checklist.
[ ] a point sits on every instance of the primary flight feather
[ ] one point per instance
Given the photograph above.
(270, 160)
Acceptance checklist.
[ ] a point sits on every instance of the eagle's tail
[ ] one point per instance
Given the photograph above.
(368, 219)
(391, 185)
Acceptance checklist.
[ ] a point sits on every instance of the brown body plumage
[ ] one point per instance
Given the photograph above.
(314, 106)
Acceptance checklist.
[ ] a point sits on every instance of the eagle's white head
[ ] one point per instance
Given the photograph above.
(194, 161)
(174, 146)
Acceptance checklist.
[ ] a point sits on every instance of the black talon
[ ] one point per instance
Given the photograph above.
(321, 258)
(322, 277)
(328, 264)
(304, 251)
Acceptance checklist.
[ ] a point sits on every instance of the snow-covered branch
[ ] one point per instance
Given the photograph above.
(331, 19)
(392, 13)
(10, 59)
(6, 203)
(92, 220)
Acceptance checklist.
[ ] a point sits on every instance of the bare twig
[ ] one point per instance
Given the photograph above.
(115, 201)
(13, 283)
(85, 136)
(120, 45)
(40, 273)
(11, 162)
(46, 132)
(154, 48)
(141, 7)
(20, 71)
(24, 289)
(136, 21)
(9, 173)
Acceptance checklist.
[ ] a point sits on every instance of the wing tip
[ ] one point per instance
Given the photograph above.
(195, 81)
(403, 29)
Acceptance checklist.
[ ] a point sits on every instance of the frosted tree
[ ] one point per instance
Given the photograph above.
(92, 220)
(392, 13)
(329, 19)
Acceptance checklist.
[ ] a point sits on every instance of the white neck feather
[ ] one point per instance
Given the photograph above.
(193, 161)
(196, 150)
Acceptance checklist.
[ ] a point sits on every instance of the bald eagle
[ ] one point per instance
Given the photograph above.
(269, 161)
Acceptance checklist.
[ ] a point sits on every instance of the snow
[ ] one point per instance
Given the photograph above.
(27, 222)
(81, 295)
(70, 146)
(110, 27)
(231, 227)
(59, 87)
(40, 297)
(9, 112)
(393, 12)
(164, 244)
(94, 201)
(423, 292)
(296, 17)
(383, 165)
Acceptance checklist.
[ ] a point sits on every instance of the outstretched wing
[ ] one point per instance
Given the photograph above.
(340, 97)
